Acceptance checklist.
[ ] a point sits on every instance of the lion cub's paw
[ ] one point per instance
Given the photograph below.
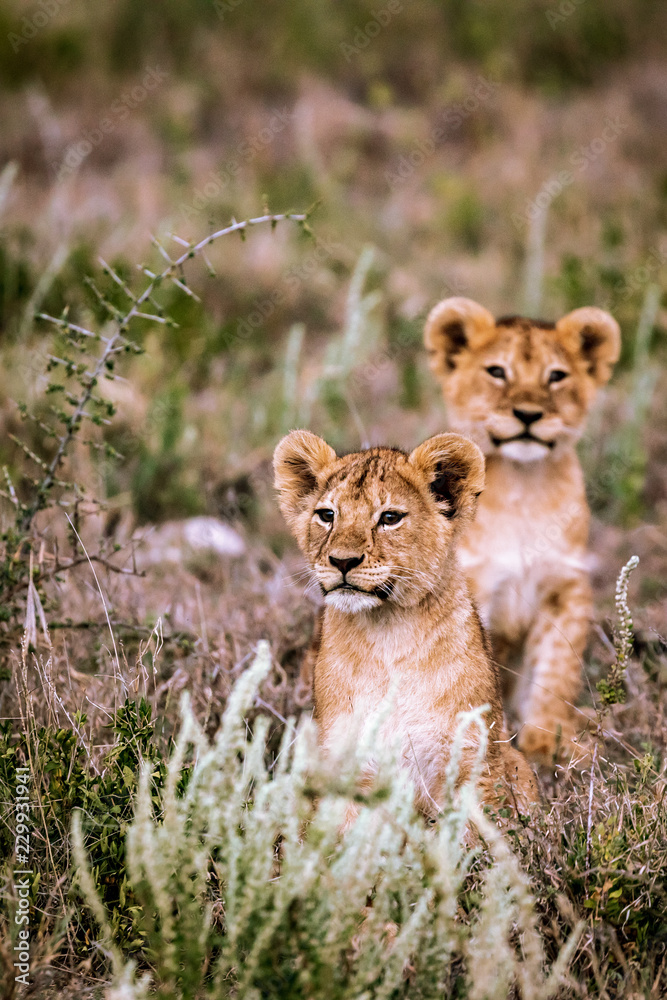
(562, 744)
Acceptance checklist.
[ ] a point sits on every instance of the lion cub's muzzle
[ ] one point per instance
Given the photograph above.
(524, 436)
(352, 588)
(528, 433)
(345, 565)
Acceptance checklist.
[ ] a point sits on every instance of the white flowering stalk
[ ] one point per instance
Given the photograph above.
(623, 642)
(250, 890)
(612, 688)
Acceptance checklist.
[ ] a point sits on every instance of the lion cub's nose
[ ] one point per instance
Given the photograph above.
(527, 417)
(345, 565)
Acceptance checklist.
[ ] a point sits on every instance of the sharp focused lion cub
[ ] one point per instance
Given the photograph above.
(521, 389)
(379, 529)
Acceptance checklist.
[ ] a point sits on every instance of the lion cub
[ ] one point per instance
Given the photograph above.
(521, 389)
(379, 529)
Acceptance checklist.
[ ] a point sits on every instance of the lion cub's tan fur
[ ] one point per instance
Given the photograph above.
(379, 529)
(521, 389)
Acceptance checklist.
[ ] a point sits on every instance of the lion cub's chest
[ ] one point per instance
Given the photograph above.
(522, 545)
(371, 693)
(361, 678)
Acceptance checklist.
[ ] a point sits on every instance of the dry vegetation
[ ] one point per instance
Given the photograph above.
(425, 147)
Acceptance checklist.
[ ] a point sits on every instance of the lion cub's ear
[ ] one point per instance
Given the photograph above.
(594, 335)
(455, 325)
(297, 462)
(454, 469)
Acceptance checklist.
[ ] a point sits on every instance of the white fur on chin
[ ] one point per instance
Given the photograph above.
(351, 601)
(524, 451)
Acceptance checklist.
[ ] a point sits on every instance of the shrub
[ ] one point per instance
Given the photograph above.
(74, 404)
(64, 778)
(247, 888)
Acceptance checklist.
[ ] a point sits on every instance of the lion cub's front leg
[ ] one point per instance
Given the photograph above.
(552, 661)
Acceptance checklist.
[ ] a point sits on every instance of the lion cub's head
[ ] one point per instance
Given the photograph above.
(518, 386)
(377, 526)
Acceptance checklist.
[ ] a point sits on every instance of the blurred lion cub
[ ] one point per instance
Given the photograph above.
(521, 389)
(379, 529)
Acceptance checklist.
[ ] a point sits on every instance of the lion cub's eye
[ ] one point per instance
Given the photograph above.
(496, 371)
(325, 514)
(557, 376)
(390, 517)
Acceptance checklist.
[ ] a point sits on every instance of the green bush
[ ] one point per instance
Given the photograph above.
(247, 887)
(64, 779)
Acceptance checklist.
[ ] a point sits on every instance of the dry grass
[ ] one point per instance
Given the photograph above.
(596, 835)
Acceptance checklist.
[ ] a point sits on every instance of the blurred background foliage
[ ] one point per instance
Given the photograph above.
(431, 131)
(522, 38)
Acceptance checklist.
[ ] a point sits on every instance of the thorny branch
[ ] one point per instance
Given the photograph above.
(117, 342)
